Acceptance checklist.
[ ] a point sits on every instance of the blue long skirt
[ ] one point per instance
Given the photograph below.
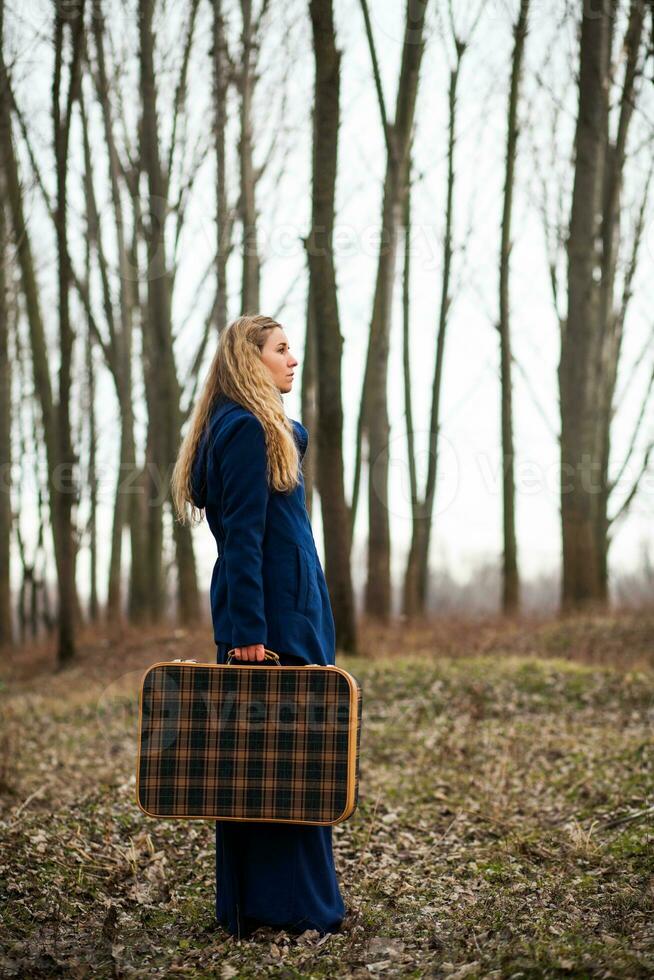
(275, 874)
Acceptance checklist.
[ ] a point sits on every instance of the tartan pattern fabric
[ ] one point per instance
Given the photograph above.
(249, 743)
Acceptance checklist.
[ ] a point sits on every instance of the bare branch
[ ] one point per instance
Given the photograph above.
(634, 490)
(378, 82)
(635, 433)
(180, 92)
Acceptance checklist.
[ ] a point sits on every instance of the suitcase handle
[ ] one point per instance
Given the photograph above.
(267, 655)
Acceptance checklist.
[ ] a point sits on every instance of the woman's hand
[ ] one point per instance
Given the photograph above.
(254, 652)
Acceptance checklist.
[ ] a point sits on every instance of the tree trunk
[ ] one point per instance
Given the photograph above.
(139, 580)
(323, 313)
(410, 588)
(416, 578)
(251, 263)
(577, 382)
(151, 502)
(94, 605)
(592, 333)
(510, 575)
(309, 393)
(68, 495)
(223, 224)
(611, 319)
(6, 634)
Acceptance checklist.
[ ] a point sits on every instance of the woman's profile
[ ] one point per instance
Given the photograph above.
(241, 463)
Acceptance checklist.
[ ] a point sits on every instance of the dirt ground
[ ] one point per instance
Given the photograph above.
(504, 826)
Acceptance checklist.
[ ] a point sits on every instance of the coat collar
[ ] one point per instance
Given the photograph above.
(222, 406)
(225, 404)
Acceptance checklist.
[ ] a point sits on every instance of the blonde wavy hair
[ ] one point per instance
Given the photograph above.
(238, 372)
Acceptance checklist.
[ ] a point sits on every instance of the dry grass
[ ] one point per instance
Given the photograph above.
(496, 758)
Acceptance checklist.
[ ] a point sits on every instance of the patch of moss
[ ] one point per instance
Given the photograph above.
(495, 871)
(635, 844)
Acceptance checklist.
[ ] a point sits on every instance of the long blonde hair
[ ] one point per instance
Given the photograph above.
(238, 372)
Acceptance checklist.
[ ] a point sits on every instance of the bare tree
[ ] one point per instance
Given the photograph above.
(373, 414)
(5, 432)
(324, 317)
(55, 417)
(593, 329)
(67, 491)
(416, 576)
(91, 472)
(162, 386)
(116, 342)
(510, 575)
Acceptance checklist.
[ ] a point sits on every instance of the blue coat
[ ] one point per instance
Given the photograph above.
(267, 587)
(267, 584)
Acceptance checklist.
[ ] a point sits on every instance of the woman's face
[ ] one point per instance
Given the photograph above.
(277, 357)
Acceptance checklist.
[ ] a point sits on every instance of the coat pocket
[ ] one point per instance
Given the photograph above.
(286, 579)
(309, 598)
(302, 578)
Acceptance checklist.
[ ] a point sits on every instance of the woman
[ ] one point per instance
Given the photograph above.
(240, 462)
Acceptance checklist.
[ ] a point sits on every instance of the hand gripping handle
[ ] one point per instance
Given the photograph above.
(268, 655)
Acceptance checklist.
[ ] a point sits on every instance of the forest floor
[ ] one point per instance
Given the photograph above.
(504, 826)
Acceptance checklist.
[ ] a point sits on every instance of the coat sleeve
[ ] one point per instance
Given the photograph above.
(243, 466)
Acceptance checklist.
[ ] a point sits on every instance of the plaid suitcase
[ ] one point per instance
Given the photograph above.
(248, 741)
